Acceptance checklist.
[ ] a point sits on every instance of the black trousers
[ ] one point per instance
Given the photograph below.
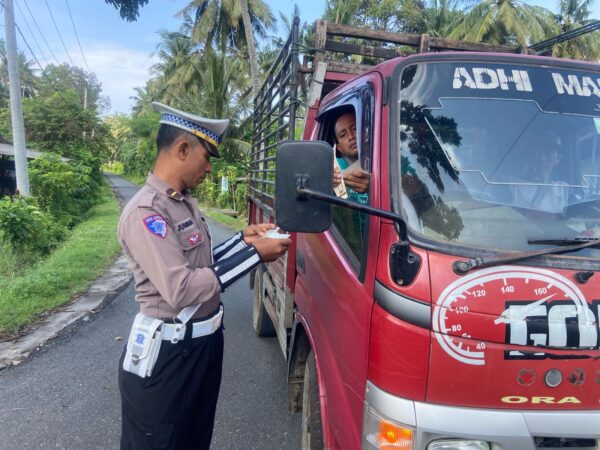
(175, 407)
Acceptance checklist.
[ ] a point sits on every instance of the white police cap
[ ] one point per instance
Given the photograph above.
(211, 130)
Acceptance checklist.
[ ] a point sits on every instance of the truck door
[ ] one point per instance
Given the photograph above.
(331, 291)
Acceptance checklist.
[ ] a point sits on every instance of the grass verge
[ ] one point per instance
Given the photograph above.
(230, 222)
(68, 271)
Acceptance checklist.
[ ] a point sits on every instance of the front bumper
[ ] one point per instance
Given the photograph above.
(503, 429)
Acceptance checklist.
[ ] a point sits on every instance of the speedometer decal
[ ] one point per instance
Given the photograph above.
(517, 305)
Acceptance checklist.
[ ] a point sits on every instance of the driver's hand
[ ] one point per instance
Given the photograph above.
(337, 176)
(357, 179)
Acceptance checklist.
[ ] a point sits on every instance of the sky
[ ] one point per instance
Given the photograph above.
(117, 51)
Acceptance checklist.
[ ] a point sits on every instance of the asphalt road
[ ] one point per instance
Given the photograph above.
(66, 396)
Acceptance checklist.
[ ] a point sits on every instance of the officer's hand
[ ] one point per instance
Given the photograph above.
(254, 232)
(357, 179)
(271, 249)
(337, 176)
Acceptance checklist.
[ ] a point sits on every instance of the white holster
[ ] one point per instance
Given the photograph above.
(145, 338)
(143, 345)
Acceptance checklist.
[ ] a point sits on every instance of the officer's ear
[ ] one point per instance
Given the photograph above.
(182, 148)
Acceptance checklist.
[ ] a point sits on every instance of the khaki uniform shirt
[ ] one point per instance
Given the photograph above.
(168, 245)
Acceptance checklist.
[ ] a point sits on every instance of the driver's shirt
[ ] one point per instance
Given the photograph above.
(551, 197)
(168, 246)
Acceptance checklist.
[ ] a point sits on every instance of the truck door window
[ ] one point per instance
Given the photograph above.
(353, 154)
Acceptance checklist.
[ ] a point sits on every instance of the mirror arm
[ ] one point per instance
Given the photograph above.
(329, 198)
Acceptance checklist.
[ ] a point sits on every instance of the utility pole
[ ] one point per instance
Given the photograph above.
(84, 104)
(16, 111)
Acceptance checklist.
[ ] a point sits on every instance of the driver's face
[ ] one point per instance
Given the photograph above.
(551, 155)
(345, 134)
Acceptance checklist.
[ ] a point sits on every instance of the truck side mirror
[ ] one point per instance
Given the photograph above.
(307, 164)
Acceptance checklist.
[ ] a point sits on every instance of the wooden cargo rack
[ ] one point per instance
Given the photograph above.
(278, 105)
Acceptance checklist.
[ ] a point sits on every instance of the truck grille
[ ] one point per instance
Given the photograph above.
(558, 442)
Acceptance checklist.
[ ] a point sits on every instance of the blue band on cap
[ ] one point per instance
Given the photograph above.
(193, 127)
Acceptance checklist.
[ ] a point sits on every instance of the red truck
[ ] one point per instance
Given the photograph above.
(459, 308)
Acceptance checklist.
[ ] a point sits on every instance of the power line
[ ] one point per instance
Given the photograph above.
(59, 35)
(78, 42)
(31, 32)
(40, 31)
(542, 46)
(41, 68)
(46, 76)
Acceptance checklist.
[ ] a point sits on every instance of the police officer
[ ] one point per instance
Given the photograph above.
(170, 371)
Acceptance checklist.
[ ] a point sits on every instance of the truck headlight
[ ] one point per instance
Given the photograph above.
(455, 444)
(382, 433)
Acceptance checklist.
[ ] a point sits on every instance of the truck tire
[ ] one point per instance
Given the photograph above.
(262, 323)
(312, 431)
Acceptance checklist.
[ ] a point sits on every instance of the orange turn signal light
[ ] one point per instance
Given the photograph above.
(392, 436)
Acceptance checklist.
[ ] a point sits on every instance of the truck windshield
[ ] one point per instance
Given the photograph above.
(496, 155)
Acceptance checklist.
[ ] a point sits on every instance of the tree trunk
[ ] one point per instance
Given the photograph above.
(251, 46)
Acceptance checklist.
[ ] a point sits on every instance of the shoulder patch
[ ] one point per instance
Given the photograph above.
(156, 224)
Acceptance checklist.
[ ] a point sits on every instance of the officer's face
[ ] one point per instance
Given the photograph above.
(197, 163)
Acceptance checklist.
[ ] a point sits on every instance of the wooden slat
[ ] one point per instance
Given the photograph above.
(414, 40)
(424, 44)
(346, 67)
(450, 44)
(375, 35)
(321, 33)
(364, 50)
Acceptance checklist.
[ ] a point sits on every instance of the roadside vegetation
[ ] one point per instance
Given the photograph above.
(37, 285)
(59, 239)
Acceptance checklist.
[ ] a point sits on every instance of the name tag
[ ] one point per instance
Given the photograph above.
(184, 225)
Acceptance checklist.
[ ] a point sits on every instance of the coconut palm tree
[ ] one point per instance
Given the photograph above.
(178, 65)
(246, 20)
(230, 25)
(441, 17)
(224, 94)
(29, 80)
(575, 14)
(342, 11)
(219, 23)
(505, 22)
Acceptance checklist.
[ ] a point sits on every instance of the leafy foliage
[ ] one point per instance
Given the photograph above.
(24, 227)
(65, 190)
(128, 9)
(505, 22)
(218, 23)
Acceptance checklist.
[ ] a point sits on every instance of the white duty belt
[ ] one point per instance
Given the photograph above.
(176, 332)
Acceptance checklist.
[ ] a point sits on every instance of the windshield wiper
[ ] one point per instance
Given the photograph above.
(564, 246)
(565, 241)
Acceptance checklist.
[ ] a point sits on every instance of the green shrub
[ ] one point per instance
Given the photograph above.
(241, 199)
(115, 167)
(64, 189)
(25, 228)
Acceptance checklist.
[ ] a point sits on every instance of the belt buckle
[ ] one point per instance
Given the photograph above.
(180, 330)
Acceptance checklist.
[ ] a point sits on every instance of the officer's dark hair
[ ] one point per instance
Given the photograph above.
(167, 135)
